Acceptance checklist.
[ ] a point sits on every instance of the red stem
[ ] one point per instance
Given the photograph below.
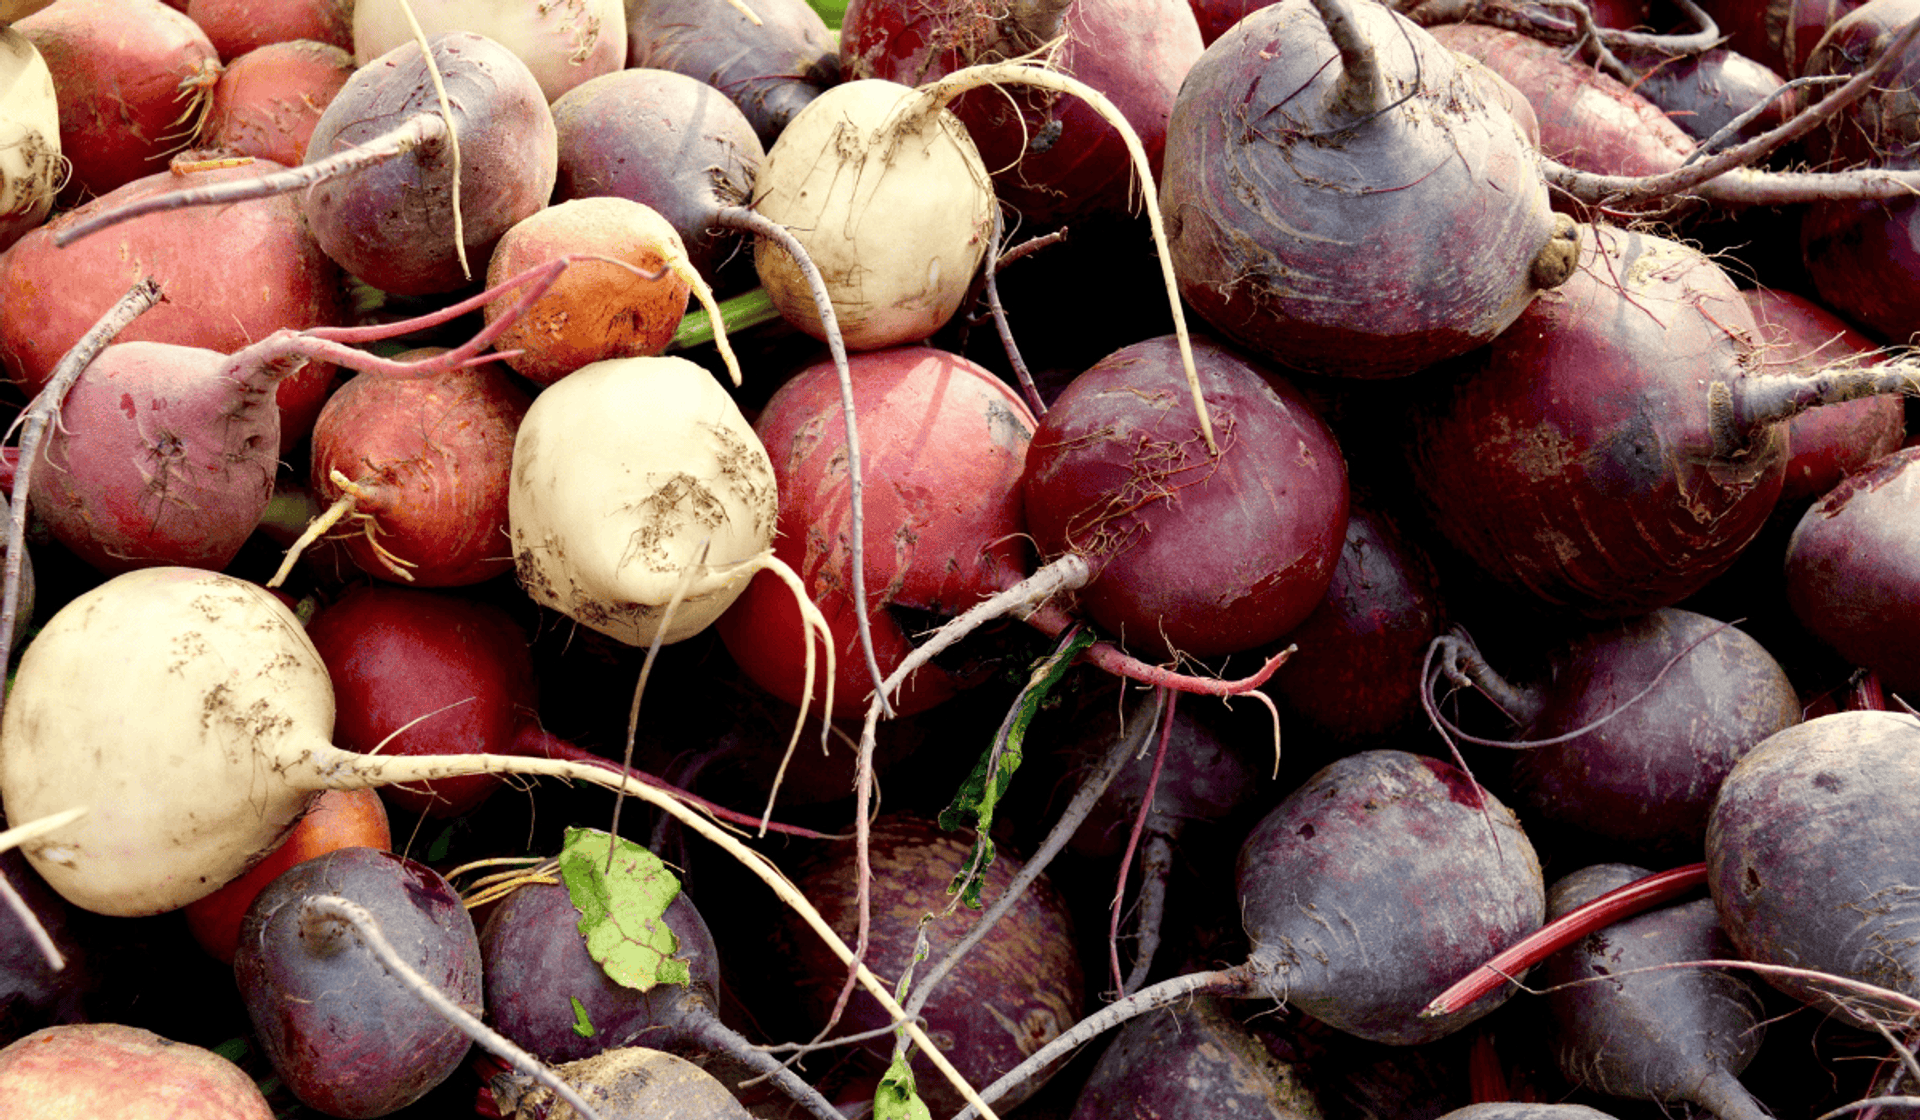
(1618, 904)
(1133, 840)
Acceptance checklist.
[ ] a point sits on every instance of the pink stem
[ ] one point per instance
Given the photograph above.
(1133, 840)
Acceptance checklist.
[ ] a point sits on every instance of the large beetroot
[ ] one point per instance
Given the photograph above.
(1342, 196)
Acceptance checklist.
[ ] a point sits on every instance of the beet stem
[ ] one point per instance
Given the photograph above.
(1156, 866)
(999, 313)
(334, 909)
(741, 218)
(1626, 191)
(13, 838)
(1124, 748)
(713, 1034)
(1615, 905)
(1741, 409)
(1133, 839)
(422, 129)
(1240, 981)
(42, 411)
(1462, 662)
(1722, 1095)
(1360, 94)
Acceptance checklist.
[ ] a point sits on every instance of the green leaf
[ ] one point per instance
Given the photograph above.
(895, 1099)
(582, 1025)
(442, 844)
(980, 794)
(621, 907)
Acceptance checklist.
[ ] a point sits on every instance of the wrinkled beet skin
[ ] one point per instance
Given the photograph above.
(1853, 570)
(1385, 856)
(1014, 992)
(1054, 159)
(396, 654)
(1655, 1035)
(346, 1037)
(1373, 253)
(391, 225)
(1645, 778)
(537, 963)
(1201, 555)
(1571, 458)
(942, 443)
(1810, 853)
(1588, 120)
(1381, 610)
(612, 130)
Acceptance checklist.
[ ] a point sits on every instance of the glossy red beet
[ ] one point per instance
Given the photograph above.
(1191, 553)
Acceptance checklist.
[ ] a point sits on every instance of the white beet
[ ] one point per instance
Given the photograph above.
(564, 42)
(31, 170)
(624, 472)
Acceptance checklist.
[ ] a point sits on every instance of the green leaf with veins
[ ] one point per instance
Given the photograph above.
(895, 1099)
(621, 907)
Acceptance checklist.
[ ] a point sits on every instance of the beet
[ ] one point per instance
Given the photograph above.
(1703, 93)
(1015, 991)
(1381, 856)
(1676, 1035)
(1191, 1061)
(268, 100)
(1881, 129)
(1199, 554)
(347, 1038)
(1810, 857)
(1582, 458)
(1589, 121)
(1853, 570)
(1394, 225)
(612, 129)
(1672, 700)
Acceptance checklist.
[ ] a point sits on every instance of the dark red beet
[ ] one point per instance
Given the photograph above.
(1589, 121)
(1644, 780)
(1054, 159)
(1703, 93)
(1671, 1036)
(1882, 128)
(344, 1035)
(1015, 991)
(537, 964)
(1579, 458)
(1779, 34)
(1853, 570)
(1194, 1060)
(1190, 553)
(1352, 257)
(1811, 861)
(1862, 258)
(1383, 856)
(612, 129)
(1354, 679)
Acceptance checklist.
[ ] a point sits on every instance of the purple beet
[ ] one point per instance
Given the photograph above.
(1853, 570)
(1383, 856)
(1193, 1060)
(1663, 705)
(1670, 1036)
(770, 66)
(342, 1033)
(1811, 860)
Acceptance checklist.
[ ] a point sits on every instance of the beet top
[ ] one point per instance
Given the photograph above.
(1347, 226)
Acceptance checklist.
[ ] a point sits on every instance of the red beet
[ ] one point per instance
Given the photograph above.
(237, 27)
(268, 101)
(1394, 224)
(425, 462)
(1589, 121)
(1580, 459)
(1191, 553)
(1054, 158)
(1853, 570)
(1810, 857)
(943, 441)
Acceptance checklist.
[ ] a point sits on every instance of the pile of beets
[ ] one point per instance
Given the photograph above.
(1466, 513)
